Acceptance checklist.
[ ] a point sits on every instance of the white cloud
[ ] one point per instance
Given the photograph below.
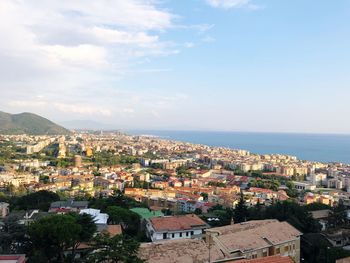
(122, 37)
(81, 55)
(82, 109)
(208, 39)
(26, 103)
(64, 59)
(189, 45)
(69, 52)
(227, 4)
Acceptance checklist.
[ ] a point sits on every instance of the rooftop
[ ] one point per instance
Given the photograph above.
(145, 213)
(255, 234)
(179, 251)
(272, 259)
(172, 223)
(113, 230)
(12, 258)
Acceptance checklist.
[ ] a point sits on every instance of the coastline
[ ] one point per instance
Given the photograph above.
(325, 148)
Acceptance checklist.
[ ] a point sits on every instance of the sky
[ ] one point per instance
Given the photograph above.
(223, 65)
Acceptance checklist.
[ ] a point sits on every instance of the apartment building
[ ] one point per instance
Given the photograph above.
(256, 239)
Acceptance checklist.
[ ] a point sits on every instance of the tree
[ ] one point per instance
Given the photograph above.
(198, 211)
(117, 199)
(293, 213)
(38, 200)
(12, 236)
(51, 236)
(224, 215)
(88, 229)
(115, 249)
(241, 211)
(205, 196)
(337, 216)
(128, 219)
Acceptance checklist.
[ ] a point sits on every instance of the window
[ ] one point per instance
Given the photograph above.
(286, 249)
(293, 246)
(180, 234)
(192, 233)
(172, 235)
(164, 235)
(278, 250)
(187, 233)
(264, 253)
(254, 255)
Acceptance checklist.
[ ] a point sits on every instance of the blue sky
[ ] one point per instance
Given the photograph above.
(233, 65)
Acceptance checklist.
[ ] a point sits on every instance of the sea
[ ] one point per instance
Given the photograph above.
(312, 147)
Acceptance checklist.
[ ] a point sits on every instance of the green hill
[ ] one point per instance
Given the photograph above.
(28, 123)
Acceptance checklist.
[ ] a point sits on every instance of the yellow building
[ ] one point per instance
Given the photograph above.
(89, 152)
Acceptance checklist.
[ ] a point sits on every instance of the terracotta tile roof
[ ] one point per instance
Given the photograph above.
(114, 230)
(343, 260)
(255, 234)
(172, 223)
(179, 251)
(272, 259)
(260, 190)
(13, 258)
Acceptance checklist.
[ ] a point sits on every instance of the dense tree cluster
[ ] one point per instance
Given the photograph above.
(38, 200)
(57, 238)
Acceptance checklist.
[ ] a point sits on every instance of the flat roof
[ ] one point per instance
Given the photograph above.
(145, 213)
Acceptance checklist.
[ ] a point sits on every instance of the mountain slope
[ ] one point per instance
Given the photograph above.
(28, 123)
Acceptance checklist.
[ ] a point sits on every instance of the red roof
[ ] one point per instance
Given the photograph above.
(173, 223)
(18, 258)
(271, 259)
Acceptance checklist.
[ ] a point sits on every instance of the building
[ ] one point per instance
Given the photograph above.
(13, 259)
(28, 216)
(318, 179)
(68, 206)
(272, 259)
(99, 218)
(256, 239)
(343, 260)
(179, 251)
(186, 205)
(145, 213)
(4, 209)
(175, 227)
(335, 183)
(302, 186)
(77, 161)
(321, 216)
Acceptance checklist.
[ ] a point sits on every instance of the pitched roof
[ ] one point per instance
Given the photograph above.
(69, 203)
(172, 223)
(113, 230)
(272, 259)
(319, 214)
(255, 234)
(13, 258)
(179, 251)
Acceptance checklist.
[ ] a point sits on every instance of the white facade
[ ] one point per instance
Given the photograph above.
(300, 186)
(99, 218)
(169, 235)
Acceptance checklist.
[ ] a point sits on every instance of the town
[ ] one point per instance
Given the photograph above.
(171, 201)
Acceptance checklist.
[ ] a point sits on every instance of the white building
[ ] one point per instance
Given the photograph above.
(302, 186)
(318, 179)
(99, 218)
(175, 227)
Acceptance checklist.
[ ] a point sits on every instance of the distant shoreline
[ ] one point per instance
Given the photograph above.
(326, 148)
